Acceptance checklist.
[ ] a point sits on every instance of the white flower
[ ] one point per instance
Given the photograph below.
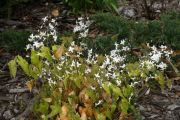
(156, 56)
(125, 48)
(42, 34)
(147, 63)
(154, 48)
(118, 82)
(31, 38)
(84, 34)
(118, 59)
(93, 88)
(87, 70)
(45, 19)
(78, 64)
(163, 47)
(89, 53)
(122, 42)
(53, 20)
(97, 75)
(123, 66)
(28, 46)
(46, 62)
(38, 44)
(98, 103)
(80, 18)
(59, 68)
(51, 27)
(113, 76)
(162, 66)
(116, 45)
(71, 49)
(73, 64)
(82, 27)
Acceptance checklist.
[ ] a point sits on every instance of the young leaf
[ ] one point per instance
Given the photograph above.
(124, 105)
(45, 53)
(24, 64)
(13, 68)
(116, 90)
(106, 87)
(100, 116)
(55, 110)
(161, 80)
(35, 59)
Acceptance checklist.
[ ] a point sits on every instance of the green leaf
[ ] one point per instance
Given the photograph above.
(100, 116)
(35, 59)
(124, 105)
(55, 47)
(41, 107)
(161, 80)
(45, 53)
(13, 68)
(24, 64)
(106, 87)
(127, 91)
(34, 72)
(116, 90)
(55, 110)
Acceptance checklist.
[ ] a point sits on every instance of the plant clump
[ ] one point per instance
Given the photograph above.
(77, 83)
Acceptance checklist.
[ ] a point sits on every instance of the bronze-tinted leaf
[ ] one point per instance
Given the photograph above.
(59, 52)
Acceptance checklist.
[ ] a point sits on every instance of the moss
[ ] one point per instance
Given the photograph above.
(12, 40)
(164, 31)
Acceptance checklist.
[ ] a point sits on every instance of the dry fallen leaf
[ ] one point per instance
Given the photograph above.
(55, 12)
(30, 85)
(64, 112)
(124, 116)
(83, 116)
(176, 52)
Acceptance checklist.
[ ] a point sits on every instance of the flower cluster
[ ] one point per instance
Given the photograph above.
(155, 56)
(82, 26)
(116, 60)
(46, 35)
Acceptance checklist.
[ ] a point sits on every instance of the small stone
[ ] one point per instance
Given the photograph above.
(149, 109)
(16, 110)
(13, 118)
(173, 107)
(7, 115)
(141, 108)
(127, 11)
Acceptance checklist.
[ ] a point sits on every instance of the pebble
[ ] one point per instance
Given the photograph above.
(7, 115)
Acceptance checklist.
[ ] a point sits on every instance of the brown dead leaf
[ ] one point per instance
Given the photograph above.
(30, 85)
(124, 116)
(77, 48)
(64, 113)
(55, 12)
(59, 52)
(176, 52)
(83, 116)
(86, 111)
(136, 52)
(177, 93)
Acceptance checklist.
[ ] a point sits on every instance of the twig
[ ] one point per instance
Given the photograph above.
(27, 111)
(18, 90)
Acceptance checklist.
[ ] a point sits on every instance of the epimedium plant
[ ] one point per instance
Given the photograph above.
(79, 84)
